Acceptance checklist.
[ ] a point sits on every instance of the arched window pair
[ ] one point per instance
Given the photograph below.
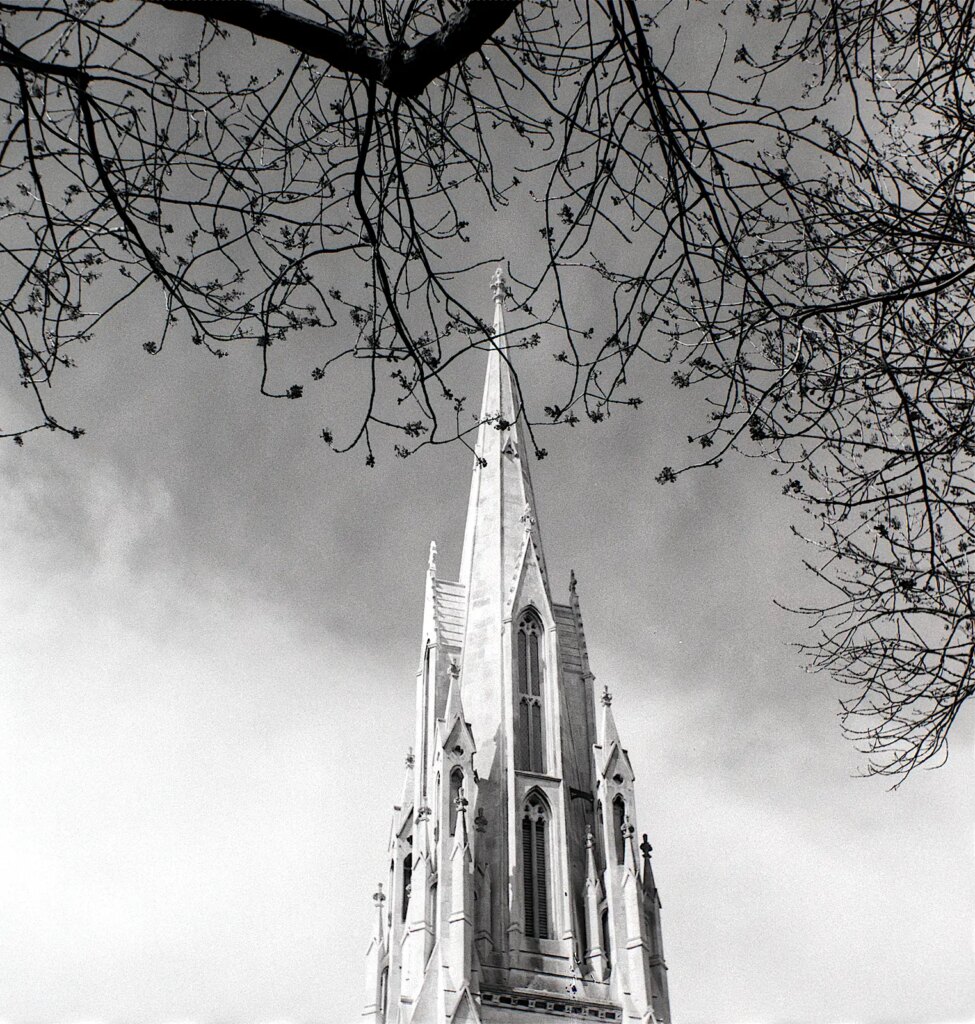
(535, 869)
(531, 745)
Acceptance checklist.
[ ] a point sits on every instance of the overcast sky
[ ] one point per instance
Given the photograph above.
(207, 652)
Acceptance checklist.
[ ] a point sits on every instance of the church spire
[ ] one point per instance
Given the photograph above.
(500, 893)
(501, 509)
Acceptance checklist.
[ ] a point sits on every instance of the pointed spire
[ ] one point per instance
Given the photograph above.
(406, 800)
(501, 488)
(379, 898)
(649, 886)
(595, 954)
(432, 561)
(454, 708)
(591, 873)
(607, 733)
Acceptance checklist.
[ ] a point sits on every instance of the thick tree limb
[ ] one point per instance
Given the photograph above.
(405, 71)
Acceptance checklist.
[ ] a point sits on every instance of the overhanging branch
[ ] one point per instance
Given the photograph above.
(405, 71)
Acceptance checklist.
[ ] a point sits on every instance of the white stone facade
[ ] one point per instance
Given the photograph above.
(516, 891)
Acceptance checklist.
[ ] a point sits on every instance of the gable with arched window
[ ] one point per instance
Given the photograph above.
(535, 867)
(529, 672)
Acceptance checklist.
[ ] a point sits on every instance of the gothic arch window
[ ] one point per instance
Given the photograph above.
(528, 664)
(535, 869)
(407, 882)
(456, 792)
(619, 820)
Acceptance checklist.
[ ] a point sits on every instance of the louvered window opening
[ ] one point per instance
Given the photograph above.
(532, 751)
(535, 867)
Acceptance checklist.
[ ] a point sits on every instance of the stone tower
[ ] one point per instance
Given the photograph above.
(517, 890)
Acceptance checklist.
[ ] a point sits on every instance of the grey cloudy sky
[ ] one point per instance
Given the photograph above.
(207, 655)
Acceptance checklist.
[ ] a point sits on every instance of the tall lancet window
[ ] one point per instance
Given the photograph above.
(619, 822)
(534, 855)
(407, 883)
(531, 743)
(456, 792)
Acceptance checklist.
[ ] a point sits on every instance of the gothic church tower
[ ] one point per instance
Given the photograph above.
(517, 891)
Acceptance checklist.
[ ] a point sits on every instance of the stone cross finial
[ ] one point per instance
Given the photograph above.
(607, 697)
(497, 285)
(379, 897)
(410, 759)
(645, 847)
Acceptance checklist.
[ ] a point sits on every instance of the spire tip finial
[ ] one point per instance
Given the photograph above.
(607, 697)
(498, 286)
